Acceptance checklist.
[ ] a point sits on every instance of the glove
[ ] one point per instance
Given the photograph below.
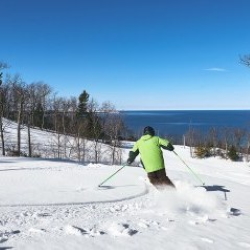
(170, 147)
(129, 162)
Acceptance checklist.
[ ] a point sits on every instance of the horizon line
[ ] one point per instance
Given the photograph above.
(183, 109)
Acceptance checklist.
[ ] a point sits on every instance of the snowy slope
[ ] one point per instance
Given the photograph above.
(49, 204)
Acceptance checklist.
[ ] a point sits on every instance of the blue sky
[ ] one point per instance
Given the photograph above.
(137, 54)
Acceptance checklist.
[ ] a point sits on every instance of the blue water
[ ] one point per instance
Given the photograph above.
(180, 121)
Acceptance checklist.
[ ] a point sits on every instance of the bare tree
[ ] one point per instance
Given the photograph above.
(77, 126)
(44, 90)
(245, 60)
(238, 138)
(57, 107)
(65, 118)
(192, 139)
(3, 102)
(213, 139)
(32, 100)
(78, 145)
(18, 98)
(29, 111)
(94, 127)
(113, 125)
(3, 66)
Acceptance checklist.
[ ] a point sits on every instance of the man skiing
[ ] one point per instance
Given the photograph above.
(149, 147)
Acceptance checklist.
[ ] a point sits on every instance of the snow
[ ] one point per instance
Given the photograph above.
(54, 204)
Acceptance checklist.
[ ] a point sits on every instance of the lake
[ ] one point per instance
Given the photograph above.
(170, 122)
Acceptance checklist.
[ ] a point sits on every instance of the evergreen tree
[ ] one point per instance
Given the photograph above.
(83, 104)
(232, 154)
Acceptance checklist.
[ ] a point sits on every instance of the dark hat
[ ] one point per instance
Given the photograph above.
(148, 131)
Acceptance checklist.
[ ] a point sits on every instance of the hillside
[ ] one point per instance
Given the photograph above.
(56, 204)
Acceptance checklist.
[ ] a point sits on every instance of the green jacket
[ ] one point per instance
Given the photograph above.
(149, 148)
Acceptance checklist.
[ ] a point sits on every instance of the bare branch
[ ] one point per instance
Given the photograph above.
(245, 60)
(3, 65)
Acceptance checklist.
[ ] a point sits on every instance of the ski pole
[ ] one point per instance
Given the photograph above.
(203, 183)
(111, 176)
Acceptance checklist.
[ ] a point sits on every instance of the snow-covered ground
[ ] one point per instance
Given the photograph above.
(49, 204)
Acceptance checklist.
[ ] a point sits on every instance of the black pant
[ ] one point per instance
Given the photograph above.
(159, 179)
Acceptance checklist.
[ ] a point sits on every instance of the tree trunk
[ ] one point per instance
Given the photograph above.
(19, 128)
(29, 137)
(2, 135)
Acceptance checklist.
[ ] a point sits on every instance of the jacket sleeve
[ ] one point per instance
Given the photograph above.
(165, 144)
(132, 154)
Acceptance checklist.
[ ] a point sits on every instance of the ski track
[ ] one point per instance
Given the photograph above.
(110, 197)
(119, 218)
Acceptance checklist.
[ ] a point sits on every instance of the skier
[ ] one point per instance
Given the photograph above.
(149, 147)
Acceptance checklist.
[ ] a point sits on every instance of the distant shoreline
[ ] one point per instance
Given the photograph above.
(178, 122)
(125, 110)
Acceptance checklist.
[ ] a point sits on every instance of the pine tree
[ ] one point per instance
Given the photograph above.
(83, 104)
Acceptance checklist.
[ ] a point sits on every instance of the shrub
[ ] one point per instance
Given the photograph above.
(16, 153)
(232, 154)
(202, 151)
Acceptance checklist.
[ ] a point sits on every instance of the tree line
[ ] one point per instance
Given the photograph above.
(75, 121)
(227, 142)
